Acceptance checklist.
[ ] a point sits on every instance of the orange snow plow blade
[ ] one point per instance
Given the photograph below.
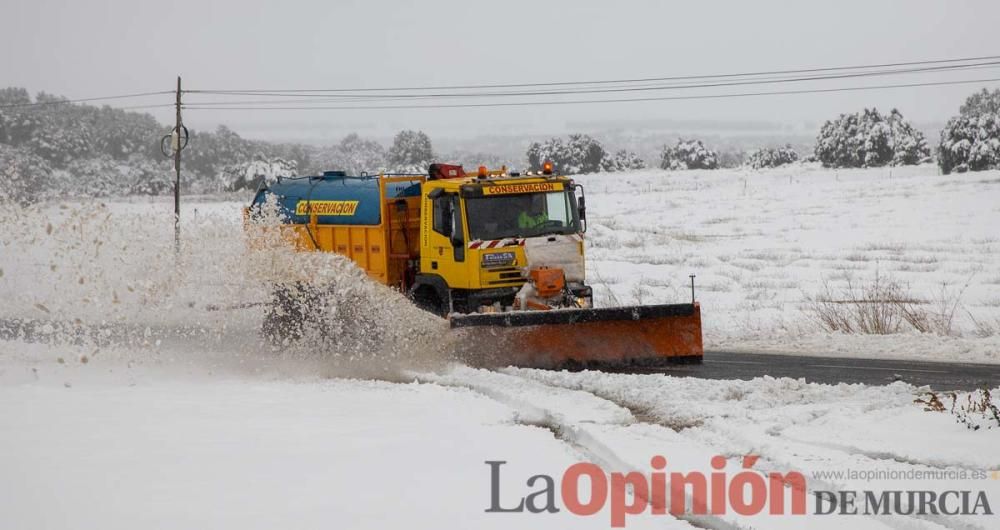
(582, 337)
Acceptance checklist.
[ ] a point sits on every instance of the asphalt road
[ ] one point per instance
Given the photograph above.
(716, 365)
(833, 370)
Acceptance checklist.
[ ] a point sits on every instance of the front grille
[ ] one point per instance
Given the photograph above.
(513, 283)
(503, 269)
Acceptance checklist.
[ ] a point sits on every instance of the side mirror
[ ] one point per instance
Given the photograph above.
(583, 208)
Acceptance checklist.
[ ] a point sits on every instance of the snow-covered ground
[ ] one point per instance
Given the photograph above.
(181, 437)
(762, 243)
(143, 397)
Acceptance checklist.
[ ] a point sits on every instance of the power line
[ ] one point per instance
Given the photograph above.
(621, 100)
(84, 100)
(365, 95)
(156, 106)
(602, 82)
(390, 97)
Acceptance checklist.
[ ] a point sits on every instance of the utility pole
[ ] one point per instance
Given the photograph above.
(177, 146)
(177, 141)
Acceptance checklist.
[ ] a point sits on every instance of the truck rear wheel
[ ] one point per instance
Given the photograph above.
(431, 293)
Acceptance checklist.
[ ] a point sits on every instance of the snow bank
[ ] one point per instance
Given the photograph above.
(840, 437)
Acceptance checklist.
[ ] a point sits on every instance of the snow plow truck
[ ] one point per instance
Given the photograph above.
(499, 254)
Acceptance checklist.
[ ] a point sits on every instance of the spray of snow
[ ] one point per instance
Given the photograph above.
(107, 276)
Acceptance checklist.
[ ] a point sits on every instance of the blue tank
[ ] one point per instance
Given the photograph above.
(335, 197)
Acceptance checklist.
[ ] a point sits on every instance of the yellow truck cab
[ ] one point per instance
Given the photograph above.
(482, 235)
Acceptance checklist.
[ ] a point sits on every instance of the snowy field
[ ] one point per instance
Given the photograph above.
(139, 394)
(763, 243)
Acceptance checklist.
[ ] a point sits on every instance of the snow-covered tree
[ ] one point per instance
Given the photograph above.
(60, 144)
(248, 175)
(772, 157)
(623, 160)
(982, 102)
(970, 143)
(15, 125)
(472, 160)
(25, 176)
(688, 154)
(354, 154)
(208, 153)
(578, 154)
(149, 176)
(411, 152)
(582, 154)
(869, 139)
(360, 155)
(551, 150)
(121, 134)
(14, 96)
(100, 176)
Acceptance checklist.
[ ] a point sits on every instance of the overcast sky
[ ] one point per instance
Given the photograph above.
(81, 48)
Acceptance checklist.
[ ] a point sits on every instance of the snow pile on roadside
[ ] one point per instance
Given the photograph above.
(742, 417)
(852, 438)
(685, 402)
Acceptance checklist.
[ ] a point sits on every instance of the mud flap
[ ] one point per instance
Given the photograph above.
(581, 337)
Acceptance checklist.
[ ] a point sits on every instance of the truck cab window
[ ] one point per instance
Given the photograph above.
(456, 231)
(521, 215)
(442, 215)
(557, 207)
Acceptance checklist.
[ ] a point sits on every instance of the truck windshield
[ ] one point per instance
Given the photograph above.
(521, 215)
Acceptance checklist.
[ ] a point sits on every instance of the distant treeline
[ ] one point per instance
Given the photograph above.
(49, 146)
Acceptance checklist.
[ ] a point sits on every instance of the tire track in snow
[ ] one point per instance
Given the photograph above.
(769, 462)
(567, 424)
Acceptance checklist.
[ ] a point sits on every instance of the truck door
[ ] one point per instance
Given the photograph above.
(446, 241)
